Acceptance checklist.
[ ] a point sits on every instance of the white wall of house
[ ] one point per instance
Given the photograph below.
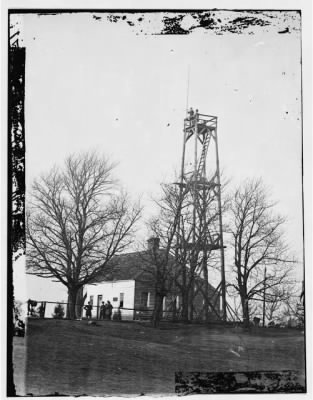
(115, 292)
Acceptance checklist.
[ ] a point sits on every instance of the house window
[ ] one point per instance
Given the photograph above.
(177, 302)
(91, 300)
(121, 299)
(148, 301)
(145, 299)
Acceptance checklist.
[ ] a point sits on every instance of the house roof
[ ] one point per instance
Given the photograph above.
(131, 266)
(127, 266)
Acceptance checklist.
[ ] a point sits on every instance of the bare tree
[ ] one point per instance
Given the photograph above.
(172, 225)
(292, 305)
(77, 221)
(161, 262)
(183, 265)
(157, 265)
(257, 242)
(275, 298)
(297, 313)
(272, 307)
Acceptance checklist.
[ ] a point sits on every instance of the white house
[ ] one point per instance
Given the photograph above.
(131, 289)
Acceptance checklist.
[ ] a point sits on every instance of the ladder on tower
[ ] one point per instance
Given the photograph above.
(205, 147)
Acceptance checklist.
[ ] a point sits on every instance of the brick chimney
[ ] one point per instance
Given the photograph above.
(153, 243)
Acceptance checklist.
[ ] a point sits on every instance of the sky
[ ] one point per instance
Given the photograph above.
(121, 89)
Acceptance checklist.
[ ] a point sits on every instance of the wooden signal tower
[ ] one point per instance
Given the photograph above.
(200, 191)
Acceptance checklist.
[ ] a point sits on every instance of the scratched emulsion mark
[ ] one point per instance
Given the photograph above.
(16, 139)
(16, 183)
(219, 22)
(173, 25)
(239, 382)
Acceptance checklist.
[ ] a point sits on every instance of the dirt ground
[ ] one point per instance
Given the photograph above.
(74, 358)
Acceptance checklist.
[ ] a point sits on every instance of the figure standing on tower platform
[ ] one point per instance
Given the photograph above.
(191, 116)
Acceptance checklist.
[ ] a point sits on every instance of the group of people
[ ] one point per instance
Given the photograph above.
(33, 312)
(19, 327)
(105, 310)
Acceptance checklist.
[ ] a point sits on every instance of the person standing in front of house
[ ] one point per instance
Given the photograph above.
(102, 310)
(109, 308)
(88, 309)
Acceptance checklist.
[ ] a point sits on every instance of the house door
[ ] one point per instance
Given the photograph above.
(98, 305)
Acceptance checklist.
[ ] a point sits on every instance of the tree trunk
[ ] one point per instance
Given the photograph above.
(72, 300)
(80, 300)
(184, 294)
(192, 285)
(192, 296)
(174, 310)
(206, 289)
(264, 292)
(191, 299)
(156, 316)
(185, 304)
(245, 311)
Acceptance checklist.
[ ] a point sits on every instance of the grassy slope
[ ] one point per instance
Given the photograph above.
(71, 357)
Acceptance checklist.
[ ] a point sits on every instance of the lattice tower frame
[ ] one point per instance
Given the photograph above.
(199, 184)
